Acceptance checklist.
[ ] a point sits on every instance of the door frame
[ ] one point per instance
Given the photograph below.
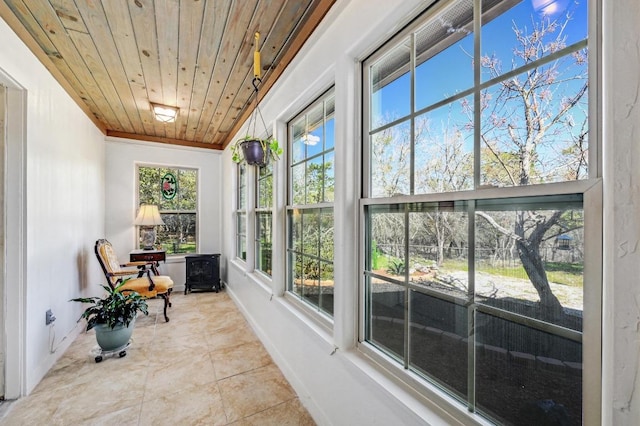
(14, 187)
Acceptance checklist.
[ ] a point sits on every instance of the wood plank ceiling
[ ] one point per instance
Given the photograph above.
(116, 57)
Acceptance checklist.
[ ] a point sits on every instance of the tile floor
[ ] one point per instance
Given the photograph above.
(204, 367)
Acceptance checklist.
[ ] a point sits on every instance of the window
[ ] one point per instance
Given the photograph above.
(175, 192)
(264, 206)
(310, 205)
(479, 178)
(241, 213)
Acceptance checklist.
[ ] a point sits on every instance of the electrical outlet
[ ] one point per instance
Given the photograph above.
(49, 318)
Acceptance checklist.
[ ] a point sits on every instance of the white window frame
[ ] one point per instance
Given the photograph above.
(197, 219)
(590, 188)
(316, 313)
(261, 211)
(241, 211)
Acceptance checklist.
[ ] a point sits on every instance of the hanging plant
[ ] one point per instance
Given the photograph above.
(255, 151)
(252, 149)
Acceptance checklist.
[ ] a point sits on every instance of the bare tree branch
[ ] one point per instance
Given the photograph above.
(499, 227)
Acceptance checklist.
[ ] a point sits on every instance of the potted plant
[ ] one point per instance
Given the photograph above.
(250, 149)
(113, 316)
(255, 151)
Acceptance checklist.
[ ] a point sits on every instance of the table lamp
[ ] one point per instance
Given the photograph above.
(148, 218)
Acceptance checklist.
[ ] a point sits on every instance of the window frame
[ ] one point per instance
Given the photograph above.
(241, 212)
(261, 211)
(319, 315)
(590, 188)
(195, 211)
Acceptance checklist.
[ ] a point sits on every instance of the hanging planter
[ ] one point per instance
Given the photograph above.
(251, 149)
(255, 151)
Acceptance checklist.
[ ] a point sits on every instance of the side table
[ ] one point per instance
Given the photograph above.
(151, 256)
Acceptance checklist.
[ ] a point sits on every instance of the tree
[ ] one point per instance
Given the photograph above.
(442, 165)
(530, 136)
(391, 154)
(177, 213)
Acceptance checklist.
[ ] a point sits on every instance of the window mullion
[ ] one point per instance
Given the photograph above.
(407, 345)
(412, 130)
(477, 113)
(471, 310)
(324, 148)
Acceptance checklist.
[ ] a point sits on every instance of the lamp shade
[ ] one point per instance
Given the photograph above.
(148, 215)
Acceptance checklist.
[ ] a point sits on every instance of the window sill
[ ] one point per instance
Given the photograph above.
(320, 326)
(256, 277)
(424, 399)
(307, 311)
(176, 258)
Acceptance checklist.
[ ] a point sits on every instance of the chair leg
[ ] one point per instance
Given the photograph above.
(165, 296)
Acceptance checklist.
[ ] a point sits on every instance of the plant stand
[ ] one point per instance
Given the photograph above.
(99, 354)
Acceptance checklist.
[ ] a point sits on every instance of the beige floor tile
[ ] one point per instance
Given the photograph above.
(143, 337)
(218, 316)
(69, 371)
(175, 374)
(220, 301)
(187, 340)
(129, 416)
(239, 359)
(185, 315)
(290, 413)
(231, 319)
(228, 337)
(37, 409)
(195, 405)
(205, 366)
(254, 391)
(97, 411)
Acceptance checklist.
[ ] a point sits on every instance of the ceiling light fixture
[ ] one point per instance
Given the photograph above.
(164, 113)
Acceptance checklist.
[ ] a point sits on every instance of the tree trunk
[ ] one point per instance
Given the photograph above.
(529, 253)
(440, 240)
(528, 247)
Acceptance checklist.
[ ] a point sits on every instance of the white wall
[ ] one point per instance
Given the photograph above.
(343, 388)
(338, 387)
(65, 213)
(121, 160)
(63, 154)
(621, 346)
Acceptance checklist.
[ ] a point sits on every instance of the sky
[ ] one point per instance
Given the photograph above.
(451, 71)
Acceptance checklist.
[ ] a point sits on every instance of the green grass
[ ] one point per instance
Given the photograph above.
(182, 248)
(573, 268)
(455, 265)
(561, 273)
(573, 280)
(384, 261)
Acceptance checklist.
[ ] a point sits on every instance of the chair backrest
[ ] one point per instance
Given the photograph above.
(108, 260)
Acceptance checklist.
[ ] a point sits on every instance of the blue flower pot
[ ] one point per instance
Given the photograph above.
(113, 339)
